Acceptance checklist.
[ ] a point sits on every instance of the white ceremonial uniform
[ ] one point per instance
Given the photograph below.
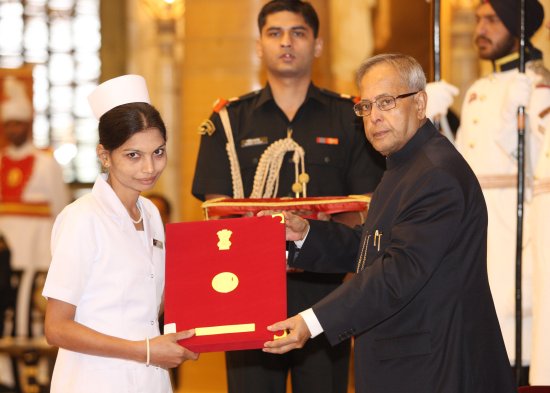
(488, 142)
(114, 275)
(28, 235)
(539, 373)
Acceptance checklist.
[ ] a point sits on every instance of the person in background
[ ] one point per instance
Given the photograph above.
(290, 112)
(6, 290)
(163, 205)
(539, 373)
(105, 284)
(419, 307)
(487, 138)
(32, 193)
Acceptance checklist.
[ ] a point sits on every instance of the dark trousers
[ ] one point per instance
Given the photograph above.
(317, 367)
(523, 375)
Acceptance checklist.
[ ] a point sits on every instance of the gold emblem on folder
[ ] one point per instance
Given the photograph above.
(225, 329)
(280, 215)
(225, 282)
(224, 242)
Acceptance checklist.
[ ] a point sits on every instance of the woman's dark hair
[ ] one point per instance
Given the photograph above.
(295, 6)
(118, 125)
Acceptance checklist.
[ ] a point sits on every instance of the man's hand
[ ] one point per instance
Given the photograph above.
(296, 227)
(518, 94)
(297, 335)
(440, 97)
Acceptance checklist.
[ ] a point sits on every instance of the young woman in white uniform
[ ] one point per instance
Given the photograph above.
(106, 279)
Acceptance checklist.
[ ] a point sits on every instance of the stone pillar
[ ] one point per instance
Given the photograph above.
(351, 40)
(465, 68)
(220, 61)
(155, 52)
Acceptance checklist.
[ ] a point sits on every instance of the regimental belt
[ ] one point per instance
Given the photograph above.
(33, 209)
(542, 186)
(498, 181)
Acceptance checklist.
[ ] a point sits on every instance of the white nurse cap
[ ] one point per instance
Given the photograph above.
(118, 91)
(17, 105)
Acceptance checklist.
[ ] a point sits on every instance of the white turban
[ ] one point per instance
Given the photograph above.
(16, 104)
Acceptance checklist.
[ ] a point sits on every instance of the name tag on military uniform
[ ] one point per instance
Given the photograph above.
(262, 140)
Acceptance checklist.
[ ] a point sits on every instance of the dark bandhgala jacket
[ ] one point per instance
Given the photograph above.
(420, 307)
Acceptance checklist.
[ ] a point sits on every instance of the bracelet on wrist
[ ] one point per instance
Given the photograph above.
(148, 362)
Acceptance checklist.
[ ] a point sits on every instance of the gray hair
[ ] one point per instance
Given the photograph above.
(409, 69)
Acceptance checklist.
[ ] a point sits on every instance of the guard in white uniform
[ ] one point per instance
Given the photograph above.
(539, 374)
(32, 193)
(488, 140)
(106, 280)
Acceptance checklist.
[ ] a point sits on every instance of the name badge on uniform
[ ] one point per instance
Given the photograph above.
(322, 140)
(262, 140)
(158, 243)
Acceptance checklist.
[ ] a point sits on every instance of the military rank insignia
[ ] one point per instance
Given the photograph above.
(207, 128)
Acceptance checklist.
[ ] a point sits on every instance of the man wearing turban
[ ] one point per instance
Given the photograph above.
(488, 139)
(32, 193)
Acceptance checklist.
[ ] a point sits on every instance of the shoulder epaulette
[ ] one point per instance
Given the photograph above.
(543, 73)
(343, 96)
(248, 96)
(222, 102)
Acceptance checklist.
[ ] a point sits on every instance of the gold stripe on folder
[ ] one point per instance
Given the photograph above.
(225, 329)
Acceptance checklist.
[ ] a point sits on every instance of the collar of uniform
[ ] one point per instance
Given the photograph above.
(20, 152)
(265, 96)
(511, 61)
(425, 132)
(112, 205)
(313, 92)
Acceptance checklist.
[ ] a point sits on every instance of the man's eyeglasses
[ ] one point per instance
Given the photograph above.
(384, 103)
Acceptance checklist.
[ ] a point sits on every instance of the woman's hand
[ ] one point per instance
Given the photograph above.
(167, 353)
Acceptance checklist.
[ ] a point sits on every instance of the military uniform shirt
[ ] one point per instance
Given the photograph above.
(338, 158)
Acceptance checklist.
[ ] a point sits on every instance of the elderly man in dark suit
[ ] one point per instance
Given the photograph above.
(420, 307)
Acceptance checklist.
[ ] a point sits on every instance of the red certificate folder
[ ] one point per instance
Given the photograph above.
(227, 280)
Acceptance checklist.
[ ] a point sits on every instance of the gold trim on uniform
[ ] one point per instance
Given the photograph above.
(503, 60)
(207, 128)
(15, 176)
(25, 209)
